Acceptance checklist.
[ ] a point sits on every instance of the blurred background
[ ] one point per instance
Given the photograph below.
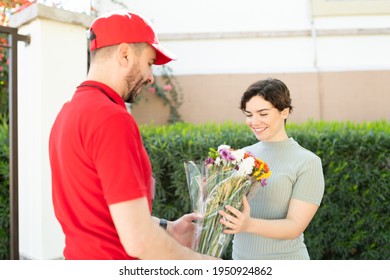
(332, 54)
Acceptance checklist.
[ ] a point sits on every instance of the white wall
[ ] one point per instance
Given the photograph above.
(178, 16)
(49, 69)
(193, 31)
(354, 52)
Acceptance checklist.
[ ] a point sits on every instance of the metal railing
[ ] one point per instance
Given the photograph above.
(12, 46)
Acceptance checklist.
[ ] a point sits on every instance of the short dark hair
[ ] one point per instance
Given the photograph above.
(105, 52)
(272, 90)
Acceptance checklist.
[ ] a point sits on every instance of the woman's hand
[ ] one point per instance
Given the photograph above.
(236, 221)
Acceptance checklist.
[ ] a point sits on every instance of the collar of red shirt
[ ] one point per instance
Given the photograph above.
(109, 92)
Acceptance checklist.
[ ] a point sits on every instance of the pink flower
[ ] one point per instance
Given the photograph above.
(226, 155)
(168, 87)
(152, 90)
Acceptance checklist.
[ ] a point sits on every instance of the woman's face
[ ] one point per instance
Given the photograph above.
(266, 122)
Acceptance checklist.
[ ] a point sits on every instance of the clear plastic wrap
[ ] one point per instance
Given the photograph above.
(224, 178)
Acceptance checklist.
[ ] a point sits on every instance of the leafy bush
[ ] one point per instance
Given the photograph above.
(4, 191)
(353, 221)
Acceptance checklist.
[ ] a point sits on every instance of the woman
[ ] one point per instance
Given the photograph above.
(271, 226)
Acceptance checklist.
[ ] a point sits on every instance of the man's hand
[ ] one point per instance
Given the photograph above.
(183, 229)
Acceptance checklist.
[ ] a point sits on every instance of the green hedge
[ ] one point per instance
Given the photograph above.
(4, 191)
(353, 221)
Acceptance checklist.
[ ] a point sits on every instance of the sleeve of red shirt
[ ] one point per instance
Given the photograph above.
(121, 161)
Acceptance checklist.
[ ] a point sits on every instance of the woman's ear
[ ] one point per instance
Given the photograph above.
(285, 113)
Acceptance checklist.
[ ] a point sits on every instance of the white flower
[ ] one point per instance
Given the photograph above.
(238, 155)
(217, 161)
(224, 162)
(246, 166)
(223, 147)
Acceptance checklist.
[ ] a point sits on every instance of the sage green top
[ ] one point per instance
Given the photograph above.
(296, 173)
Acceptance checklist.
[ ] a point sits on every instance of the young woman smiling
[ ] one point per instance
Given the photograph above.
(272, 223)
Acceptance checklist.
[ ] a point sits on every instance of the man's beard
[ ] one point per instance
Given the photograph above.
(135, 86)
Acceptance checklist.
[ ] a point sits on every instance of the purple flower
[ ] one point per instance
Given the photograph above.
(226, 155)
(223, 153)
(263, 182)
(209, 160)
(231, 157)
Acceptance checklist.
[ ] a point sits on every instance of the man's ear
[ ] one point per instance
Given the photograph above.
(124, 54)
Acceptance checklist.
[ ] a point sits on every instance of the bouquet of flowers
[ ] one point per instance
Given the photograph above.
(222, 179)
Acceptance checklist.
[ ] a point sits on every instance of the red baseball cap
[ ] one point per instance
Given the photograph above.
(115, 28)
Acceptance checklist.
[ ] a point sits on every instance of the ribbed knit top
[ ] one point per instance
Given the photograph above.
(296, 173)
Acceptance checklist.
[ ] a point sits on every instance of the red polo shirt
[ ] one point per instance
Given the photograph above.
(97, 158)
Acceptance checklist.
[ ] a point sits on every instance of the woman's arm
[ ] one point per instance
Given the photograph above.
(299, 215)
